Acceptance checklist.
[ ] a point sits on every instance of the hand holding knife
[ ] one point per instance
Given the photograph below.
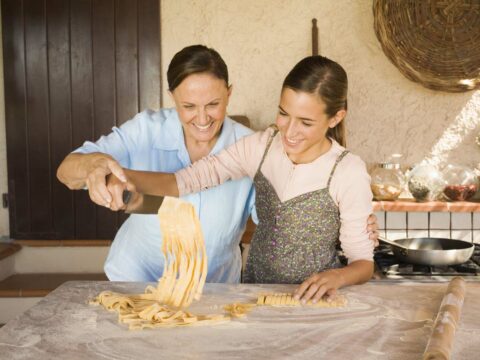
(137, 203)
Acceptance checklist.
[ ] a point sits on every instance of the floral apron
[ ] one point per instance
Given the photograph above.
(294, 238)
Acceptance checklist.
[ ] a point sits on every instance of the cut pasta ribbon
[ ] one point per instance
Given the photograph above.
(288, 300)
(184, 274)
(238, 309)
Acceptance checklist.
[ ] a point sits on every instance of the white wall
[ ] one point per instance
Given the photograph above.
(262, 39)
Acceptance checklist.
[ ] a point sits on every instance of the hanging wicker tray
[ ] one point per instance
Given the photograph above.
(433, 42)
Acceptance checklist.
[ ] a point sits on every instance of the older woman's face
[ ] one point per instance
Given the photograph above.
(201, 101)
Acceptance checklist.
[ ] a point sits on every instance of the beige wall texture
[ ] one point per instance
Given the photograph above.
(261, 40)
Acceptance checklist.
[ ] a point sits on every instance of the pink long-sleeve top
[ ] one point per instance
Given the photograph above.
(349, 187)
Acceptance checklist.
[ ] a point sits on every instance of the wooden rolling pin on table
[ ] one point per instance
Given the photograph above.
(439, 347)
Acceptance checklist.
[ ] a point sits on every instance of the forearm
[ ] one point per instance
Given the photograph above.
(357, 272)
(153, 183)
(74, 169)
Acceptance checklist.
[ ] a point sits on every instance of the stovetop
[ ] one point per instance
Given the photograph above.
(389, 267)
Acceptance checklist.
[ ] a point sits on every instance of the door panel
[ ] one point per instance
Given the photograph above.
(73, 69)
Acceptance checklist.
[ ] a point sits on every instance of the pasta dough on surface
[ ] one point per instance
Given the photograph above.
(184, 274)
(238, 309)
(281, 299)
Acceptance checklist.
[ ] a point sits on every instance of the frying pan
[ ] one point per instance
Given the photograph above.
(431, 251)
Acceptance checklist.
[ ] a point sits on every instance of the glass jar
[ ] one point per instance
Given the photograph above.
(461, 182)
(426, 182)
(387, 181)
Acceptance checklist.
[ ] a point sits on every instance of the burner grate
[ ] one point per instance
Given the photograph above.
(390, 266)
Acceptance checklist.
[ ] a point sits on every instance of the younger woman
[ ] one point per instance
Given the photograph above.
(310, 190)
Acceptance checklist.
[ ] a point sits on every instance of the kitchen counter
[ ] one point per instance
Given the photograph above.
(383, 320)
(410, 205)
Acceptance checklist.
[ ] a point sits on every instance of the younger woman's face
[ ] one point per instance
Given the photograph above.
(303, 125)
(201, 101)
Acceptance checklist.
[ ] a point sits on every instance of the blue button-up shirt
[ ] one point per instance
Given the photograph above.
(154, 141)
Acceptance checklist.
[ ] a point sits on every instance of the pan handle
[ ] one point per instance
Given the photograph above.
(394, 243)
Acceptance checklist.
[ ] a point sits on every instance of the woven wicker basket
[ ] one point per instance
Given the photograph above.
(433, 42)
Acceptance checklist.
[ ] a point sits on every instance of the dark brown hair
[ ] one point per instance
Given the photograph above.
(195, 59)
(327, 79)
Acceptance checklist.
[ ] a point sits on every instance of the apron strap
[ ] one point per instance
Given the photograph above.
(268, 147)
(339, 158)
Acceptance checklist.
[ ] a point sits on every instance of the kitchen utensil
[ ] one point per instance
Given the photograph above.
(440, 344)
(431, 251)
(141, 203)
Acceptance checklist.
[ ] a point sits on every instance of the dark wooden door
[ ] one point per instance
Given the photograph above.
(72, 70)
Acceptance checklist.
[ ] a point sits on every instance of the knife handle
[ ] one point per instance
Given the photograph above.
(126, 196)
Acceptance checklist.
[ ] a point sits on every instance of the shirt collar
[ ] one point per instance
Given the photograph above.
(171, 134)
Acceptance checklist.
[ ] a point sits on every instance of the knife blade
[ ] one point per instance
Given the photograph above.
(137, 203)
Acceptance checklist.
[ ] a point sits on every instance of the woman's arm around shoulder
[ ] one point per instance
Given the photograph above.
(238, 160)
(235, 162)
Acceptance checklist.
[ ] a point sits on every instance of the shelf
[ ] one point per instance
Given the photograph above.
(409, 205)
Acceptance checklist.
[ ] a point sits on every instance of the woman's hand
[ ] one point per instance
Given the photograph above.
(327, 282)
(320, 284)
(372, 229)
(96, 180)
(116, 187)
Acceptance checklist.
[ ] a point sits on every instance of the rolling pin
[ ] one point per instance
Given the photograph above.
(440, 344)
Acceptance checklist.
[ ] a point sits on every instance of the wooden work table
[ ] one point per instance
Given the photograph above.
(383, 319)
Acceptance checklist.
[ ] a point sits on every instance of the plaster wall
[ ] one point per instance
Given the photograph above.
(262, 40)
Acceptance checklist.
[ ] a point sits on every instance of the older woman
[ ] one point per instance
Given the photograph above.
(167, 141)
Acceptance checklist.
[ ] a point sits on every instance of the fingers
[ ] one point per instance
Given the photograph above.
(96, 182)
(117, 198)
(372, 219)
(298, 293)
(116, 187)
(117, 170)
(331, 295)
(372, 229)
(318, 286)
(312, 289)
(98, 192)
(130, 187)
(317, 294)
(373, 236)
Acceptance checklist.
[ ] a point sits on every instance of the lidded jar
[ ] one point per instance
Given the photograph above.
(387, 181)
(461, 182)
(425, 182)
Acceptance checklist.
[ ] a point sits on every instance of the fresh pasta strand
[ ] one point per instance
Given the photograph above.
(184, 275)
